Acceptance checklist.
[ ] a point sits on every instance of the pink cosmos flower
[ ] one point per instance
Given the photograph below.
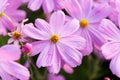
(10, 15)
(17, 35)
(10, 69)
(48, 5)
(111, 49)
(89, 19)
(56, 42)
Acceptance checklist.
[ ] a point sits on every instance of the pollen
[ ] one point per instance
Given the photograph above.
(84, 23)
(16, 35)
(54, 38)
(1, 14)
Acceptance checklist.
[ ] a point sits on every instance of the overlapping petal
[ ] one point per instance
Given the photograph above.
(111, 49)
(69, 28)
(10, 52)
(115, 65)
(74, 41)
(15, 69)
(109, 30)
(86, 6)
(99, 12)
(38, 46)
(34, 33)
(34, 4)
(71, 56)
(48, 6)
(46, 56)
(57, 20)
(73, 8)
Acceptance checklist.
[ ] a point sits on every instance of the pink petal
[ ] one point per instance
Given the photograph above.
(3, 30)
(73, 8)
(70, 55)
(74, 41)
(34, 33)
(89, 46)
(43, 26)
(110, 49)
(96, 36)
(109, 30)
(70, 27)
(34, 4)
(7, 23)
(15, 70)
(46, 56)
(10, 40)
(17, 15)
(13, 5)
(99, 12)
(57, 21)
(10, 52)
(3, 4)
(48, 6)
(38, 47)
(56, 62)
(115, 65)
(5, 76)
(86, 6)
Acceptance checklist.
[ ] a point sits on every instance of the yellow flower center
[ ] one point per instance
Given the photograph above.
(1, 14)
(84, 23)
(54, 38)
(16, 35)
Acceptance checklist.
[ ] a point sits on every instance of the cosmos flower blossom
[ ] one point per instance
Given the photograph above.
(10, 69)
(56, 42)
(89, 18)
(17, 35)
(10, 15)
(48, 5)
(111, 49)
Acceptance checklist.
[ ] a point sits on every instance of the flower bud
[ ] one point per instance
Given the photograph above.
(68, 69)
(106, 78)
(27, 48)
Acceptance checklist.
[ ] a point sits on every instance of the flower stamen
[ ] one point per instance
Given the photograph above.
(84, 23)
(16, 35)
(54, 38)
(1, 14)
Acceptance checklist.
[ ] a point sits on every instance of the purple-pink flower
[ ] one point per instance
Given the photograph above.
(89, 18)
(10, 69)
(56, 42)
(111, 49)
(10, 15)
(17, 35)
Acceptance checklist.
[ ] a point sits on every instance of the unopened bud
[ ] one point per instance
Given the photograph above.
(68, 69)
(106, 78)
(27, 48)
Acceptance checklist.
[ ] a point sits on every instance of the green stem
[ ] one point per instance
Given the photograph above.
(95, 68)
